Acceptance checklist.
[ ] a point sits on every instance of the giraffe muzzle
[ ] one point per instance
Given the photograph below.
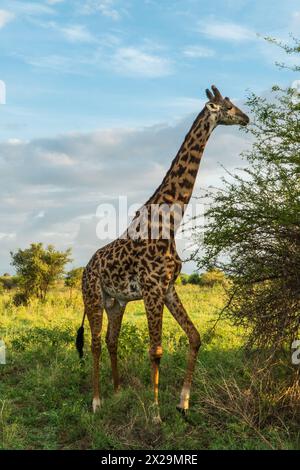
(245, 121)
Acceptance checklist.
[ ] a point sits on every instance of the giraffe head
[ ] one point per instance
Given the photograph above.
(224, 110)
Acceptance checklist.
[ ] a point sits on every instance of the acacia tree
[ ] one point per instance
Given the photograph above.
(253, 225)
(38, 268)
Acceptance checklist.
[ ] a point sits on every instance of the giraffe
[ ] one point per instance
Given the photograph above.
(138, 265)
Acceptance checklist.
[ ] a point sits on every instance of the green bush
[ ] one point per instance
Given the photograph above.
(20, 298)
(194, 278)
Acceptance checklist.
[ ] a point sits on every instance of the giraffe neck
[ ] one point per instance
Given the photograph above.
(177, 186)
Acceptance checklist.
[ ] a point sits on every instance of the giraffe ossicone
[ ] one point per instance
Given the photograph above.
(144, 266)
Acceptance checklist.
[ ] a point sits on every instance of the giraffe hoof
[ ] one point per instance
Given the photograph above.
(155, 414)
(96, 404)
(156, 419)
(182, 411)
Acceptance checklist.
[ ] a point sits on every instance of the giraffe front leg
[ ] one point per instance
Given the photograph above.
(178, 311)
(115, 316)
(154, 304)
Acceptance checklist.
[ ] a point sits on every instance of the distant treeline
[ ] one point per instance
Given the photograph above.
(8, 282)
(72, 279)
(207, 279)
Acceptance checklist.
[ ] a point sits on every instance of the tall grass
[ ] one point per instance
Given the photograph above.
(45, 393)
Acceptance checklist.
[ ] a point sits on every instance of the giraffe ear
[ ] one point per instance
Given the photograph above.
(212, 107)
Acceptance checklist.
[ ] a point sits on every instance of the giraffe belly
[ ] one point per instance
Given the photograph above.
(128, 291)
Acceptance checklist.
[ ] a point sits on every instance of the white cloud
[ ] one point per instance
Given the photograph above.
(14, 141)
(5, 17)
(197, 52)
(54, 62)
(177, 106)
(225, 30)
(54, 2)
(8, 236)
(133, 62)
(40, 214)
(50, 188)
(105, 7)
(295, 21)
(30, 8)
(126, 61)
(77, 33)
(58, 159)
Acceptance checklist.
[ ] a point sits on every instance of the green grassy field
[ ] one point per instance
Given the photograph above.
(45, 394)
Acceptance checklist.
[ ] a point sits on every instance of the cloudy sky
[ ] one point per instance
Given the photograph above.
(100, 93)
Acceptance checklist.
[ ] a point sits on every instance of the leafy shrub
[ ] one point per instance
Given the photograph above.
(20, 298)
(132, 340)
(212, 277)
(43, 338)
(194, 278)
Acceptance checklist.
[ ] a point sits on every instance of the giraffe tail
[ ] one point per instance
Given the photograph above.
(80, 338)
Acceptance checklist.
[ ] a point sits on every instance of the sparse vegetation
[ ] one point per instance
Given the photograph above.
(45, 394)
(208, 279)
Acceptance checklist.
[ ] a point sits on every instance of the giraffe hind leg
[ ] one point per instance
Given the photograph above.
(178, 311)
(115, 315)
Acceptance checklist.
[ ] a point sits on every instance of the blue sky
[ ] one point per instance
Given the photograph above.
(101, 92)
(78, 65)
